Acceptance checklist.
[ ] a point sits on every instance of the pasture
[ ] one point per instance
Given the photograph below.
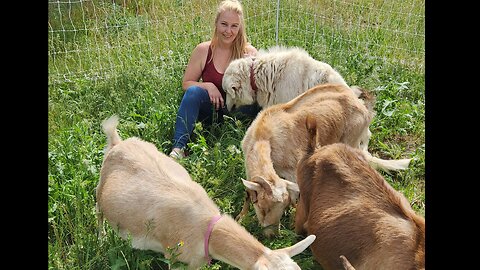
(127, 58)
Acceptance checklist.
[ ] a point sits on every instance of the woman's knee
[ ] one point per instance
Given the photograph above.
(195, 93)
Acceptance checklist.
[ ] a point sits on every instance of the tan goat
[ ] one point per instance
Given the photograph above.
(355, 213)
(277, 139)
(149, 197)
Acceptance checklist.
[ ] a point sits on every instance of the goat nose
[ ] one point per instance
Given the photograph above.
(271, 230)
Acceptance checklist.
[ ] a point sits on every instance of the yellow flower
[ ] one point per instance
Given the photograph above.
(180, 244)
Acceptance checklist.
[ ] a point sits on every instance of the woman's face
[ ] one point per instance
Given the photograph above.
(228, 25)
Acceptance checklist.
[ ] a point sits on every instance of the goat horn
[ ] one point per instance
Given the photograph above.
(300, 246)
(263, 183)
(346, 263)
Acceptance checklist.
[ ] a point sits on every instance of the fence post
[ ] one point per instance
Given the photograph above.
(276, 27)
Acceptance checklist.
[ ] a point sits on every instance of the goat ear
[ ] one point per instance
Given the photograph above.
(300, 246)
(292, 186)
(293, 190)
(251, 185)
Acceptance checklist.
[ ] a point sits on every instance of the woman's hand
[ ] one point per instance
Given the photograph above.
(215, 96)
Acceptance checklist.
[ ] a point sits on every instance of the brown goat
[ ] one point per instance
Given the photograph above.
(354, 212)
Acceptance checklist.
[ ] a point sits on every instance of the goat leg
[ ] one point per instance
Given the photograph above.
(245, 208)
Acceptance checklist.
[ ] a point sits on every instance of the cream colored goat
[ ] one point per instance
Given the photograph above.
(277, 138)
(150, 198)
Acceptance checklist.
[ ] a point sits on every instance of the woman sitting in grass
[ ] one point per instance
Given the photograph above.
(204, 100)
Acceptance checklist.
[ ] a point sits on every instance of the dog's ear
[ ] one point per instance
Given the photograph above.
(234, 91)
(244, 66)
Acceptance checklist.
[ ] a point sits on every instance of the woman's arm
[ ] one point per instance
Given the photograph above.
(193, 72)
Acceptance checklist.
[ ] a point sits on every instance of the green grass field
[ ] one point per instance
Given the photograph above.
(128, 59)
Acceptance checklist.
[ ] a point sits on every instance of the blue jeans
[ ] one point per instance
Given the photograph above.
(196, 106)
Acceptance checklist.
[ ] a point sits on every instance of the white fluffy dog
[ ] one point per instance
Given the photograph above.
(274, 76)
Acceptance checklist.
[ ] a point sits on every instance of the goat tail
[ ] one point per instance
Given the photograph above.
(387, 165)
(110, 128)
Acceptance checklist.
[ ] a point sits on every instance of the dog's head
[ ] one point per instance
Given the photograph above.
(236, 83)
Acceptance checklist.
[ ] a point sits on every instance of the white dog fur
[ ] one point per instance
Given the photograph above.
(279, 73)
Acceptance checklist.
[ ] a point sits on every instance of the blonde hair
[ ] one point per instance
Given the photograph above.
(240, 42)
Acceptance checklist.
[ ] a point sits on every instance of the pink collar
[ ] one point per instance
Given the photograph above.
(207, 235)
(252, 78)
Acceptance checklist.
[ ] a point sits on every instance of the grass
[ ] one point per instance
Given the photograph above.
(128, 59)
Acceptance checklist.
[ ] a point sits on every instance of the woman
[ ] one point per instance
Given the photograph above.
(204, 98)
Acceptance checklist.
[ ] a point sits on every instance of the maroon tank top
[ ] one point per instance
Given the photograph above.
(210, 74)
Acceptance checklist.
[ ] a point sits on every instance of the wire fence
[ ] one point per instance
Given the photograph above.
(93, 39)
